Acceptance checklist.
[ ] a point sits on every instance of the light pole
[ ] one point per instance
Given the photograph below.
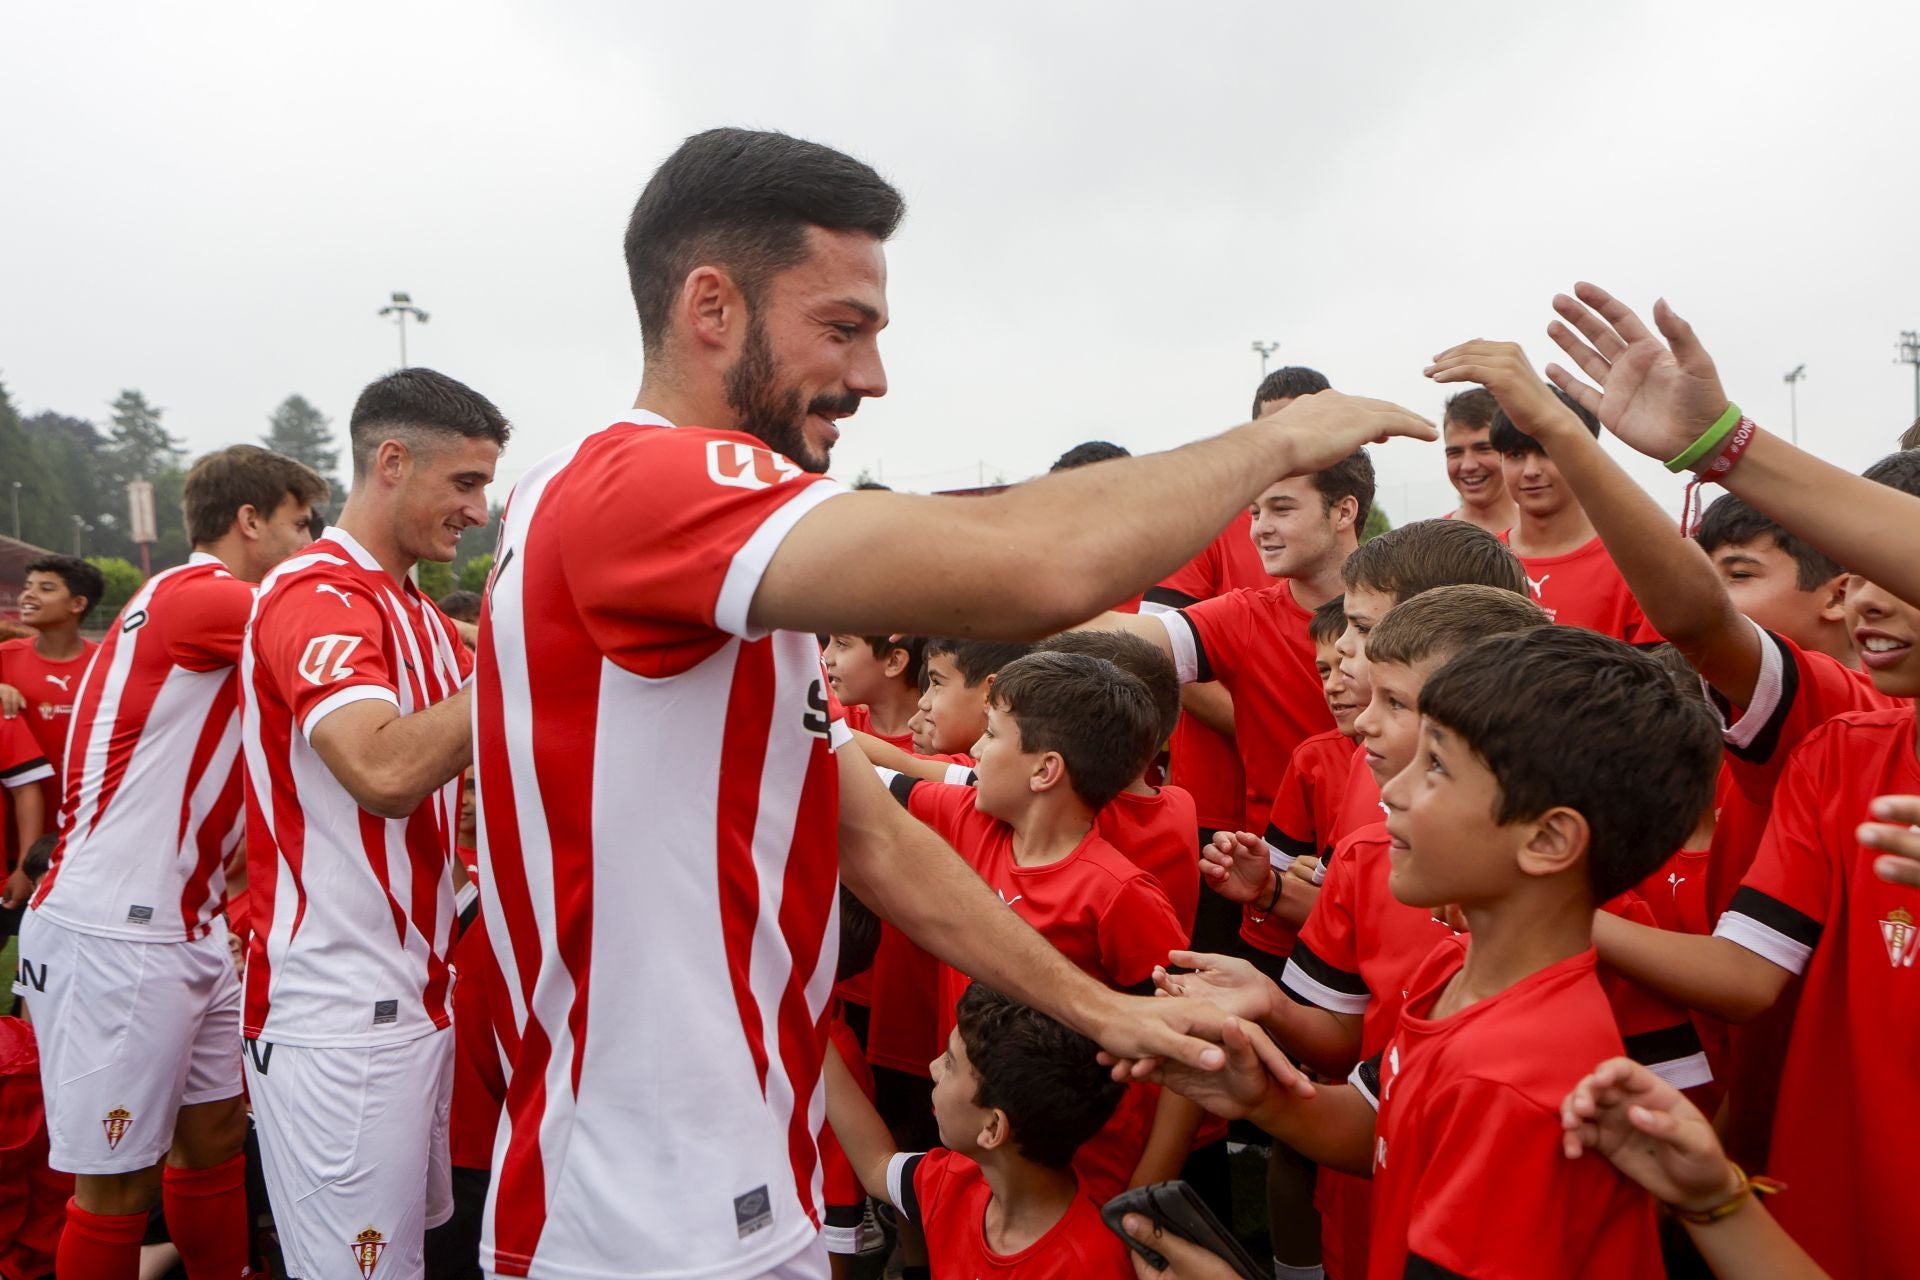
(1794, 378)
(1263, 350)
(16, 511)
(1909, 349)
(80, 529)
(400, 308)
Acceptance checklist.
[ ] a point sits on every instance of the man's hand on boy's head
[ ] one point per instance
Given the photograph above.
(1325, 427)
(1659, 397)
(1235, 865)
(1503, 368)
(1254, 1073)
(1227, 982)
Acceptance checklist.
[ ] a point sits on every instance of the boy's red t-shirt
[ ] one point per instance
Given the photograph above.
(1584, 588)
(1306, 809)
(1359, 800)
(1160, 835)
(1206, 763)
(860, 719)
(1468, 1175)
(1842, 1131)
(946, 1194)
(51, 689)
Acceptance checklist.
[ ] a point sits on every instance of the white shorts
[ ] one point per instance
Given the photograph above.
(354, 1146)
(130, 1032)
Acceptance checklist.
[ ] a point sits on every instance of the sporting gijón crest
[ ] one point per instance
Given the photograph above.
(118, 1121)
(1902, 939)
(367, 1248)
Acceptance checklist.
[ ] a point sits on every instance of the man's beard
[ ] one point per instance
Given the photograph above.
(775, 413)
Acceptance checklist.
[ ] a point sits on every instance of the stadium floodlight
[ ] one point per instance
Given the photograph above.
(400, 307)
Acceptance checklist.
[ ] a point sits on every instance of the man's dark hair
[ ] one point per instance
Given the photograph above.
(1897, 471)
(1508, 440)
(915, 646)
(415, 405)
(1143, 660)
(1351, 477)
(39, 856)
(873, 485)
(82, 579)
(1288, 383)
(1563, 716)
(743, 200)
(244, 475)
(1475, 407)
(1088, 453)
(1046, 1079)
(859, 936)
(1417, 557)
(975, 659)
(1441, 622)
(1328, 621)
(1101, 720)
(1730, 522)
(461, 606)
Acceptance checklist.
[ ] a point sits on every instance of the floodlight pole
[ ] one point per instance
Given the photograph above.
(1794, 379)
(1263, 350)
(1909, 348)
(400, 308)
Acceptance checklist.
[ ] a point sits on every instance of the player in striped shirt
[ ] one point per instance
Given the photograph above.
(356, 728)
(656, 742)
(124, 957)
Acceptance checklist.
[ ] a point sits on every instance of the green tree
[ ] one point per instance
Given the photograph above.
(479, 541)
(138, 447)
(62, 479)
(1377, 524)
(303, 433)
(122, 578)
(473, 574)
(435, 578)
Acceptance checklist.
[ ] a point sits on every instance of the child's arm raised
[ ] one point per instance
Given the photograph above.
(862, 1133)
(1711, 974)
(1670, 576)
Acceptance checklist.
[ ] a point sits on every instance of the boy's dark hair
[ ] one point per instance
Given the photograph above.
(1729, 521)
(1046, 1078)
(859, 936)
(1897, 471)
(39, 856)
(976, 659)
(420, 403)
(1910, 438)
(1084, 455)
(461, 606)
(1567, 717)
(1101, 720)
(1443, 621)
(743, 199)
(1426, 554)
(1328, 621)
(1351, 477)
(915, 647)
(1508, 440)
(1686, 677)
(1143, 660)
(244, 475)
(1474, 407)
(1288, 383)
(82, 579)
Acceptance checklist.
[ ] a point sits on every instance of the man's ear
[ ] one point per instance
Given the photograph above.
(391, 460)
(1833, 598)
(248, 520)
(996, 1131)
(1345, 513)
(1557, 842)
(711, 307)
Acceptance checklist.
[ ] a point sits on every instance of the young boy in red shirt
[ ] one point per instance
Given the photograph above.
(877, 679)
(1525, 814)
(1778, 580)
(1015, 1094)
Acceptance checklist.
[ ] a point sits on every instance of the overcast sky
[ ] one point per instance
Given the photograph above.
(1107, 203)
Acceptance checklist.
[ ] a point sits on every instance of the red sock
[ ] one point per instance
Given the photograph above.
(207, 1218)
(100, 1246)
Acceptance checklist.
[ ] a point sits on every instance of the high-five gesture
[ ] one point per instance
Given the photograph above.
(1657, 396)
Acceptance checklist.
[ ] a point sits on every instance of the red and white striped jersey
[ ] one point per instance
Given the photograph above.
(658, 805)
(353, 913)
(152, 805)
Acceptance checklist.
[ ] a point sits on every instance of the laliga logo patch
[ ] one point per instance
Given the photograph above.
(325, 659)
(118, 1121)
(742, 466)
(367, 1248)
(1898, 933)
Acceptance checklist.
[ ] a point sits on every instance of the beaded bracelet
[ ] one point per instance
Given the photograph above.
(1748, 1188)
(1709, 440)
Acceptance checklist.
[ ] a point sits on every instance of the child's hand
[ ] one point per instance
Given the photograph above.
(12, 701)
(1304, 870)
(1236, 865)
(1650, 1132)
(1900, 844)
(1228, 982)
(1185, 1260)
(1256, 1070)
(1502, 368)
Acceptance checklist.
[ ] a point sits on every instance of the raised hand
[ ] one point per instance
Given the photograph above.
(1657, 396)
(1899, 843)
(1503, 368)
(1651, 1133)
(1255, 1070)
(1327, 426)
(1227, 982)
(1236, 866)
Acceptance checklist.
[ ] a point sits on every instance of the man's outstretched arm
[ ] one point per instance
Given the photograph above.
(1048, 554)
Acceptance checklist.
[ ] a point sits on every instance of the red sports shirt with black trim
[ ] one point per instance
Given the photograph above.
(1468, 1175)
(50, 689)
(21, 764)
(946, 1195)
(1842, 1132)
(352, 914)
(1306, 809)
(1159, 834)
(153, 805)
(1584, 588)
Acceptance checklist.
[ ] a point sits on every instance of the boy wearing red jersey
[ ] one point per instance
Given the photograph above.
(1525, 814)
(877, 679)
(1777, 579)
(1473, 465)
(1016, 1095)
(22, 771)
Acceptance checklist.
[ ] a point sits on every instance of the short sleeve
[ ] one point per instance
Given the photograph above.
(664, 534)
(1783, 903)
(1220, 629)
(1137, 931)
(1291, 829)
(21, 761)
(1657, 1033)
(918, 1183)
(1198, 579)
(206, 622)
(323, 646)
(1324, 969)
(948, 808)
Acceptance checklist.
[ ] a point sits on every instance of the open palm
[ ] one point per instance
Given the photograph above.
(1658, 396)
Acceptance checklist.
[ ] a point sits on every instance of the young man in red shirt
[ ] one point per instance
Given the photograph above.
(877, 679)
(1473, 465)
(1016, 1095)
(1777, 579)
(1525, 814)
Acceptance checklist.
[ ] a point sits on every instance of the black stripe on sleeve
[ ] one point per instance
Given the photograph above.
(1767, 741)
(1366, 1078)
(1203, 669)
(902, 787)
(1168, 598)
(908, 1204)
(845, 1215)
(1776, 915)
(1419, 1268)
(1292, 846)
(22, 769)
(1326, 975)
(1665, 1044)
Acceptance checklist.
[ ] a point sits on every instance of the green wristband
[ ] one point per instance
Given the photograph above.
(1709, 440)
